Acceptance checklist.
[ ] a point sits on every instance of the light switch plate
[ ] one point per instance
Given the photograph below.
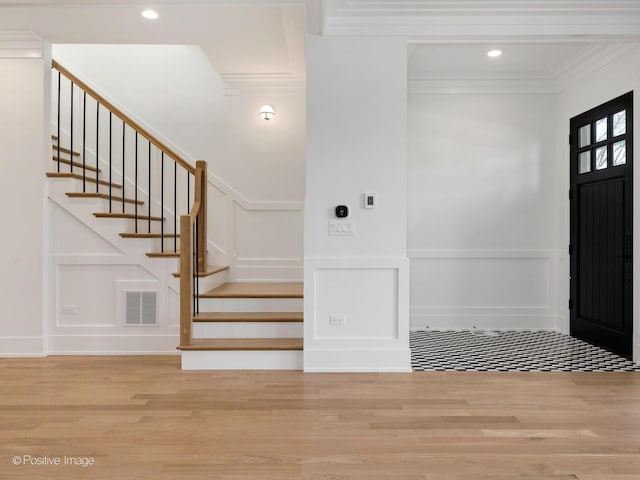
(342, 228)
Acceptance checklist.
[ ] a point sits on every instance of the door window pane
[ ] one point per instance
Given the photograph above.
(619, 123)
(601, 158)
(620, 153)
(601, 129)
(584, 136)
(584, 162)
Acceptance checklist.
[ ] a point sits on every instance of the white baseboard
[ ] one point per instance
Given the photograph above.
(113, 344)
(358, 360)
(484, 322)
(22, 347)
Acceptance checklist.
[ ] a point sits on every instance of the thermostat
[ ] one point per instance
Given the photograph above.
(342, 211)
(370, 200)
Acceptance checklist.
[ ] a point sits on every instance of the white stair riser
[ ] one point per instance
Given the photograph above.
(247, 330)
(242, 360)
(251, 304)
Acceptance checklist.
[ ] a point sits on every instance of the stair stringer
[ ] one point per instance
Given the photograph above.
(109, 230)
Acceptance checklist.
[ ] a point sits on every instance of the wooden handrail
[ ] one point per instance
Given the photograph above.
(124, 117)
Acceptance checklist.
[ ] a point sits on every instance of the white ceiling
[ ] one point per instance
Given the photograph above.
(242, 42)
(535, 60)
(262, 41)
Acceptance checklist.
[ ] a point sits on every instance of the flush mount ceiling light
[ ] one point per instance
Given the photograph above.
(494, 53)
(150, 14)
(267, 112)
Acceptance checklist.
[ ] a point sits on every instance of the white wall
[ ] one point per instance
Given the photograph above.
(174, 91)
(612, 80)
(482, 210)
(23, 136)
(356, 143)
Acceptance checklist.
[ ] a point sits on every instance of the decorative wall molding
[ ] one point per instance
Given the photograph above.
(20, 44)
(357, 348)
(257, 84)
(437, 19)
(480, 253)
(487, 306)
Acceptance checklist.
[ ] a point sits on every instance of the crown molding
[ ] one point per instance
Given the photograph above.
(261, 83)
(594, 59)
(20, 44)
(476, 85)
(493, 7)
(455, 19)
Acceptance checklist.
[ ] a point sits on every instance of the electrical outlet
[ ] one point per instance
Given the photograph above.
(337, 319)
(69, 309)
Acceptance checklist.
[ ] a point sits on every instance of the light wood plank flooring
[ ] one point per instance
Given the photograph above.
(143, 418)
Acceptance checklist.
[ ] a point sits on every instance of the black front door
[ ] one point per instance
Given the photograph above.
(601, 225)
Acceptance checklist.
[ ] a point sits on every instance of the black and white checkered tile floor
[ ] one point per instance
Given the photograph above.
(510, 351)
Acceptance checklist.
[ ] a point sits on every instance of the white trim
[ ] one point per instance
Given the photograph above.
(124, 344)
(361, 353)
(20, 44)
(22, 346)
(483, 254)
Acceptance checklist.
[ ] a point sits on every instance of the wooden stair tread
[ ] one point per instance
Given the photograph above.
(54, 137)
(66, 150)
(205, 344)
(163, 254)
(66, 161)
(249, 317)
(79, 177)
(211, 270)
(149, 235)
(255, 290)
(127, 215)
(104, 196)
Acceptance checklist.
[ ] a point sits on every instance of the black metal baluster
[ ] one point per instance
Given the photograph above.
(162, 200)
(59, 79)
(188, 193)
(135, 183)
(124, 176)
(97, 146)
(71, 129)
(195, 269)
(175, 204)
(149, 192)
(84, 142)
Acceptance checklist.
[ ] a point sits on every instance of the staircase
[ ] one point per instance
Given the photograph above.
(129, 187)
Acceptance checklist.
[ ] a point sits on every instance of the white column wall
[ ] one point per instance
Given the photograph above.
(24, 87)
(356, 144)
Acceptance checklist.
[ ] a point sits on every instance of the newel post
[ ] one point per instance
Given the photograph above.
(186, 280)
(201, 194)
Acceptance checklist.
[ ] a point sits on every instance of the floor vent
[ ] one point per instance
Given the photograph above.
(141, 308)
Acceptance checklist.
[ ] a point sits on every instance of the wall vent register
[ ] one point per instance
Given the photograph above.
(141, 308)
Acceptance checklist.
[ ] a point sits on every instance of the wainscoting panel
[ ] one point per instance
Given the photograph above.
(483, 289)
(371, 295)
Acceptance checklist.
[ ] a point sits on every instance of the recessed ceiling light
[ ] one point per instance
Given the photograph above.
(150, 14)
(494, 53)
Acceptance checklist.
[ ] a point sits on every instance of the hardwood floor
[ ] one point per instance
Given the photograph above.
(143, 418)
